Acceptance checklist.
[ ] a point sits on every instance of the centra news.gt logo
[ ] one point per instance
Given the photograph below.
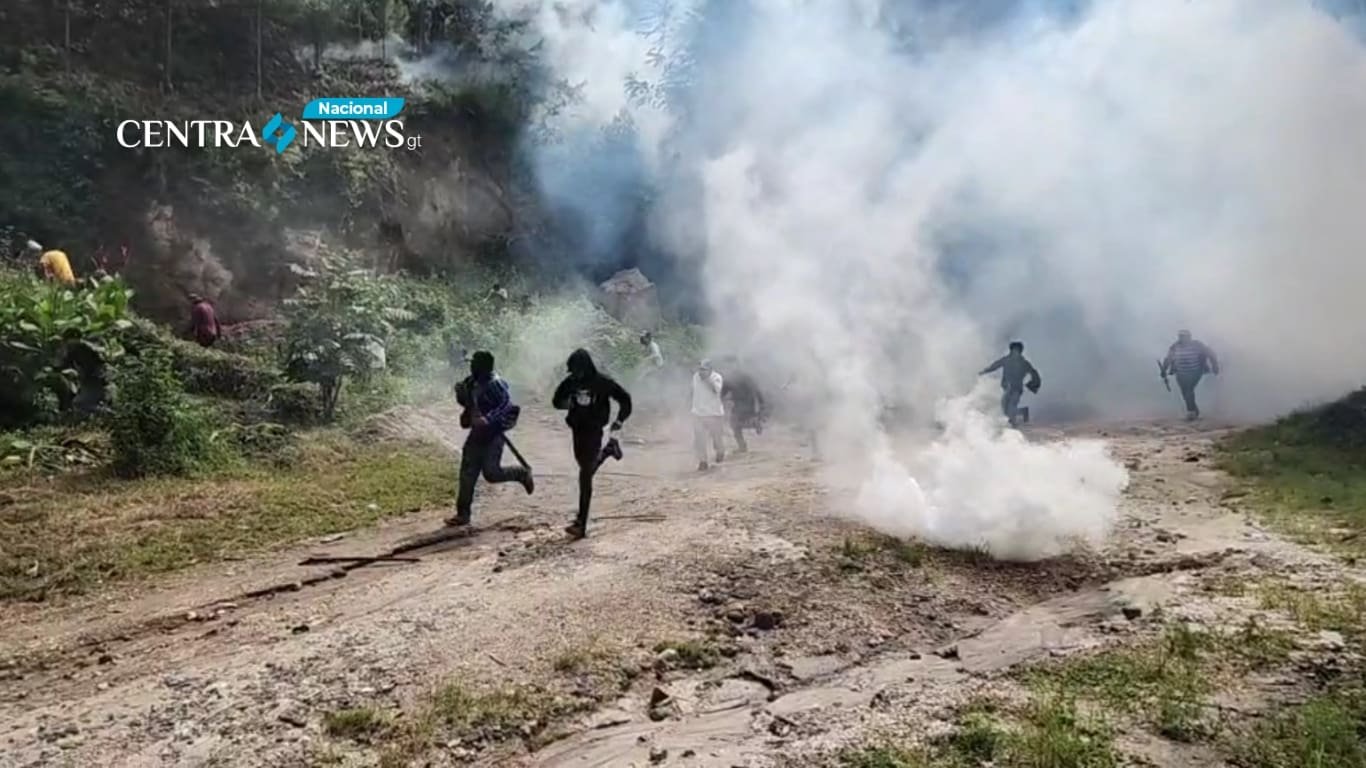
(327, 123)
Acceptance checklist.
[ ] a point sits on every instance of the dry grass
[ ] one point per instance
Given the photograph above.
(76, 533)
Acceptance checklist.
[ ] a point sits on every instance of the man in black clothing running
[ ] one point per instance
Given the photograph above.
(587, 394)
(744, 402)
(488, 414)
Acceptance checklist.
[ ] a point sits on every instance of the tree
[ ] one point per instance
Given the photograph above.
(338, 325)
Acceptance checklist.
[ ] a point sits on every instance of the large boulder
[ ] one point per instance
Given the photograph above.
(631, 298)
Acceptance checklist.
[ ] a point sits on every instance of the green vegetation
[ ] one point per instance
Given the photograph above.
(1323, 732)
(358, 724)
(1307, 472)
(691, 654)
(154, 429)
(39, 324)
(80, 531)
(859, 550)
(473, 716)
(1048, 733)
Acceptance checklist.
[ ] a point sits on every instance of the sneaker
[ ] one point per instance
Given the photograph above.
(528, 482)
(575, 531)
(613, 449)
(457, 521)
(720, 457)
(701, 466)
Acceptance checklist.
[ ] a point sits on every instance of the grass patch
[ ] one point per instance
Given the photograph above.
(691, 654)
(1342, 611)
(1048, 733)
(79, 532)
(857, 551)
(1306, 473)
(358, 724)
(1166, 684)
(475, 717)
(1323, 732)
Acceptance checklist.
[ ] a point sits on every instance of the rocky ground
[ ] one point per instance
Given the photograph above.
(718, 619)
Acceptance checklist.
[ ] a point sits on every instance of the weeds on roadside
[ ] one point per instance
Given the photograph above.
(691, 654)
(1049, 733)
(1324, 732)
(357, 724)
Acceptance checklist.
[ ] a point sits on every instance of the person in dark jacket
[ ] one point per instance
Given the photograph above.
(744, 403)
(488, 414)
(1014, 368)
(587, 395)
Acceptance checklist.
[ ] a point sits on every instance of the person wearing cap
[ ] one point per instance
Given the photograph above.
(708, 414)
(1190, 360)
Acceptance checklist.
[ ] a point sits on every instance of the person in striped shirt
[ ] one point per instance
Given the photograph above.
(1190, 360)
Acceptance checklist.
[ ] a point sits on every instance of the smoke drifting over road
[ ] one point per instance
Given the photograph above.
(881, 194)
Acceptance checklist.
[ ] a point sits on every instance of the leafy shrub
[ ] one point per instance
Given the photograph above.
(336, 323)
(37, 322)
(294, 403)
(153, 428)
(204, 371)
(210, 372)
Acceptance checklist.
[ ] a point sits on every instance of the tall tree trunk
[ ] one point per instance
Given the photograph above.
(317, 44)
(258, 49)
(384, 30)
(360, 24)
(66, 20)
(170, 84)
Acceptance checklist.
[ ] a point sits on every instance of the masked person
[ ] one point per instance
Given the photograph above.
(1190, 360)
(488, 414)
(744, 403)
(587, 395)
(708, 414)
(1014, 367)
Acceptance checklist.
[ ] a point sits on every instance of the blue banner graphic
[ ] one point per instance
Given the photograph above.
(353, 109)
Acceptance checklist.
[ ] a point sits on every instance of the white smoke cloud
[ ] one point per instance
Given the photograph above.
(879, 212)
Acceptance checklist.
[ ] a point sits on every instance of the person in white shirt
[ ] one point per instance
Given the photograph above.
(708, 414)
(655, 356)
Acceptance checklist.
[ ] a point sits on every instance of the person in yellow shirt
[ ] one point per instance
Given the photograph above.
(55, 265)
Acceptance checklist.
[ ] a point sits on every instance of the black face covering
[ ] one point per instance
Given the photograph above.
(580, 365)
(481, 364)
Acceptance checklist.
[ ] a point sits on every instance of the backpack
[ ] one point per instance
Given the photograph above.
(466, 395)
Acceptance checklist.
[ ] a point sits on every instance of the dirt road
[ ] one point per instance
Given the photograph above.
(829, 638)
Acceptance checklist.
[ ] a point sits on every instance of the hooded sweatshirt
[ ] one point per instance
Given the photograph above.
(587, 395)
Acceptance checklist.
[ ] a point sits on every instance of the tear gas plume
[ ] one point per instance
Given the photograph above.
(881, 194)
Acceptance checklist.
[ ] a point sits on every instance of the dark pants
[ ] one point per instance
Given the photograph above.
(739, 422)
(704, 427)
(587, 454)
(482, 454)
(1187, 382)
(1010, 404)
